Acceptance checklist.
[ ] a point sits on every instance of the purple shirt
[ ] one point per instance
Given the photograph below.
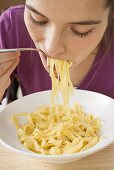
(30, 71)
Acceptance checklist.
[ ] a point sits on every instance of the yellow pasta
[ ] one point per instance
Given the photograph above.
(61, 82)
(58, 129)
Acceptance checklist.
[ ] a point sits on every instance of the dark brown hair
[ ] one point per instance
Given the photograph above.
(109, 33)
(110, 3)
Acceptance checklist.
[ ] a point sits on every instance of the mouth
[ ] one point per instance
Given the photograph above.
(46, 63)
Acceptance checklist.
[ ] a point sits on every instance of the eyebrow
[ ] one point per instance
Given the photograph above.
(34, 10)
(85, 22)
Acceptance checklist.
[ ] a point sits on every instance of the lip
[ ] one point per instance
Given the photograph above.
(46, 65)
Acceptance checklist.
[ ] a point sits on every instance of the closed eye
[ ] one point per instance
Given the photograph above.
(40, 23)
(82, 35)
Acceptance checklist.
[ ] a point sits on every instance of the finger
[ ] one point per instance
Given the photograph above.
(5, 66)
(4, 86)
(5, 79)
(4, 57)
(9, 71)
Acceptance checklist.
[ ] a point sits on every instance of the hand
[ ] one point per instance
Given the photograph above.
(8, 63)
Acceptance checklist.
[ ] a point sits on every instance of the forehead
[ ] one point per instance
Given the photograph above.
(69, 9)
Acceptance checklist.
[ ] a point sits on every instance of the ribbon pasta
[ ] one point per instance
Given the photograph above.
(58, 129)
(61, 82)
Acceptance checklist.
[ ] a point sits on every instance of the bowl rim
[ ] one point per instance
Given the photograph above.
(49, 91)
(61, 156)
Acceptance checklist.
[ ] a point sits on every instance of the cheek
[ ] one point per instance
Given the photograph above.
(81, 48)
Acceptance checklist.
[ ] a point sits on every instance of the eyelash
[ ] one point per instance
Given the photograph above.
(39, 23)
(80, 35)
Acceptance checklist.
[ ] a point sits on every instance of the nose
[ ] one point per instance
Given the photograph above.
(54, 44)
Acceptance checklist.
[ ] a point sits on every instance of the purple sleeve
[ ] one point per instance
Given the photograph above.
(6, 33)
(5, 29)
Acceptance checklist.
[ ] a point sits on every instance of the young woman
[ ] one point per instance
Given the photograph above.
(78, 31)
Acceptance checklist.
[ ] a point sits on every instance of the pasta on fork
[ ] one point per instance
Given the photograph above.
(61, 81)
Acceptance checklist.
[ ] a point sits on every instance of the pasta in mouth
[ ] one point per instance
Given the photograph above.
(58, 129)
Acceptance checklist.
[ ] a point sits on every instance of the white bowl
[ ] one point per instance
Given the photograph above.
(95, 103)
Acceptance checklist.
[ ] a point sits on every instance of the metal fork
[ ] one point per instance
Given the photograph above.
(18, 49)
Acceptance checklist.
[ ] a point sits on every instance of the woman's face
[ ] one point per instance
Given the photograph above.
(66, 29)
